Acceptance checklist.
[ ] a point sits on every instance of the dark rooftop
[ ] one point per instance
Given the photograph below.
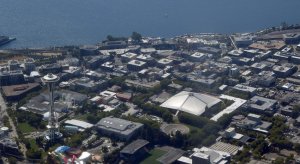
(134, 146)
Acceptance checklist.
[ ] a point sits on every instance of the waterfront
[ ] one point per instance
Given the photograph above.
(40, 23)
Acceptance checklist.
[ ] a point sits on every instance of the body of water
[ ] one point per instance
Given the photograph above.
(44, 23)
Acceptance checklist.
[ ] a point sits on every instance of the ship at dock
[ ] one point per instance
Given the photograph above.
(5, 40)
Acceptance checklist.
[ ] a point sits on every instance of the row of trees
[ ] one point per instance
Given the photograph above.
(165, 114)
(277, 137)
(32, 119)
(135, 36)
(204, 131)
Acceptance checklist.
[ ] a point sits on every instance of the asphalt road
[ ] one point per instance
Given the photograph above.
(13, 132)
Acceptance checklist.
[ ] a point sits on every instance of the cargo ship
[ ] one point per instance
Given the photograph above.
(5, 39)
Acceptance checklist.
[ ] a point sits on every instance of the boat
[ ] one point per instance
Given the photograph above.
(5, 39)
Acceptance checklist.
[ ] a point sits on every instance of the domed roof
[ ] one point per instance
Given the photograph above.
(194, 103)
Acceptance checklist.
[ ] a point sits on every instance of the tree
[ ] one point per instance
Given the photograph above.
(12, 160)
(178, 139)
(279, 160)
(225, 120)
(196, 137)
(110, 38)
(289, 159)
(243, 156)
(136, 37)
(167, 116)
(209, 140)
(297, 147)
(91, 118)
(34, 154)
(104, 149)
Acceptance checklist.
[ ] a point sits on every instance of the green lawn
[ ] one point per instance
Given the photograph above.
(26, 128)
(33, 144)
(154, 154)
(81, 117)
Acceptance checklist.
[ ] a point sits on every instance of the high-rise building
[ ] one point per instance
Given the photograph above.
(53, 126)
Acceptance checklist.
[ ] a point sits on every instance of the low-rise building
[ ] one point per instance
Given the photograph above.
(128, 56)
(243, 40)
(210, 50)
(50, 68)
(107, 66)
(236, 53)
(147, 58)
(198, 57)
(230, 133)
(284, 70)
(118, 128)
(17, 92)
(87, 84)
(136, 65)
(82, 125)
(206, 82)
(261, 105)
(88, 50)
(264, 79)
(11, 78)
(291, 38)
(254, 122)
(94, 62)
(205, 155)
(164, 62)
(245, 89)
(29, 65)
(135, 151)
(258, 67)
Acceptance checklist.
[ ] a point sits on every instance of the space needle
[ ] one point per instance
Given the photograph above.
(53, 127)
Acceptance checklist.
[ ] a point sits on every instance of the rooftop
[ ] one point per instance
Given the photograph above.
(137, 62)
(134, 146)
(244, 88)
(194, 103)
(79, 123)
(261, 103)
(118, 125)
(225, 147)
(15, 90)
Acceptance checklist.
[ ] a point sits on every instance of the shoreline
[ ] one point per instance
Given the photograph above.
(258, 33)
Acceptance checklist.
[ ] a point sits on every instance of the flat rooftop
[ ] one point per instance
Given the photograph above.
(79, 123)
(137, 63)
(15, 90)
(237, 103)
(118, 125)
(225, 147)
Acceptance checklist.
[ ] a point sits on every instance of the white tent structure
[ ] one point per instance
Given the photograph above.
(193, 103)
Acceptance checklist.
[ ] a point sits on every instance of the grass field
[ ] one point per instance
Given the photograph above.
(26, 128)
(33, 144)
(82, 117)
(154, 154)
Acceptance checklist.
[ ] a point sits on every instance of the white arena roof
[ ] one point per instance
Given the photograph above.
(193, 103)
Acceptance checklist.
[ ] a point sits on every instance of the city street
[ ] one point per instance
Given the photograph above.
(13, 131)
